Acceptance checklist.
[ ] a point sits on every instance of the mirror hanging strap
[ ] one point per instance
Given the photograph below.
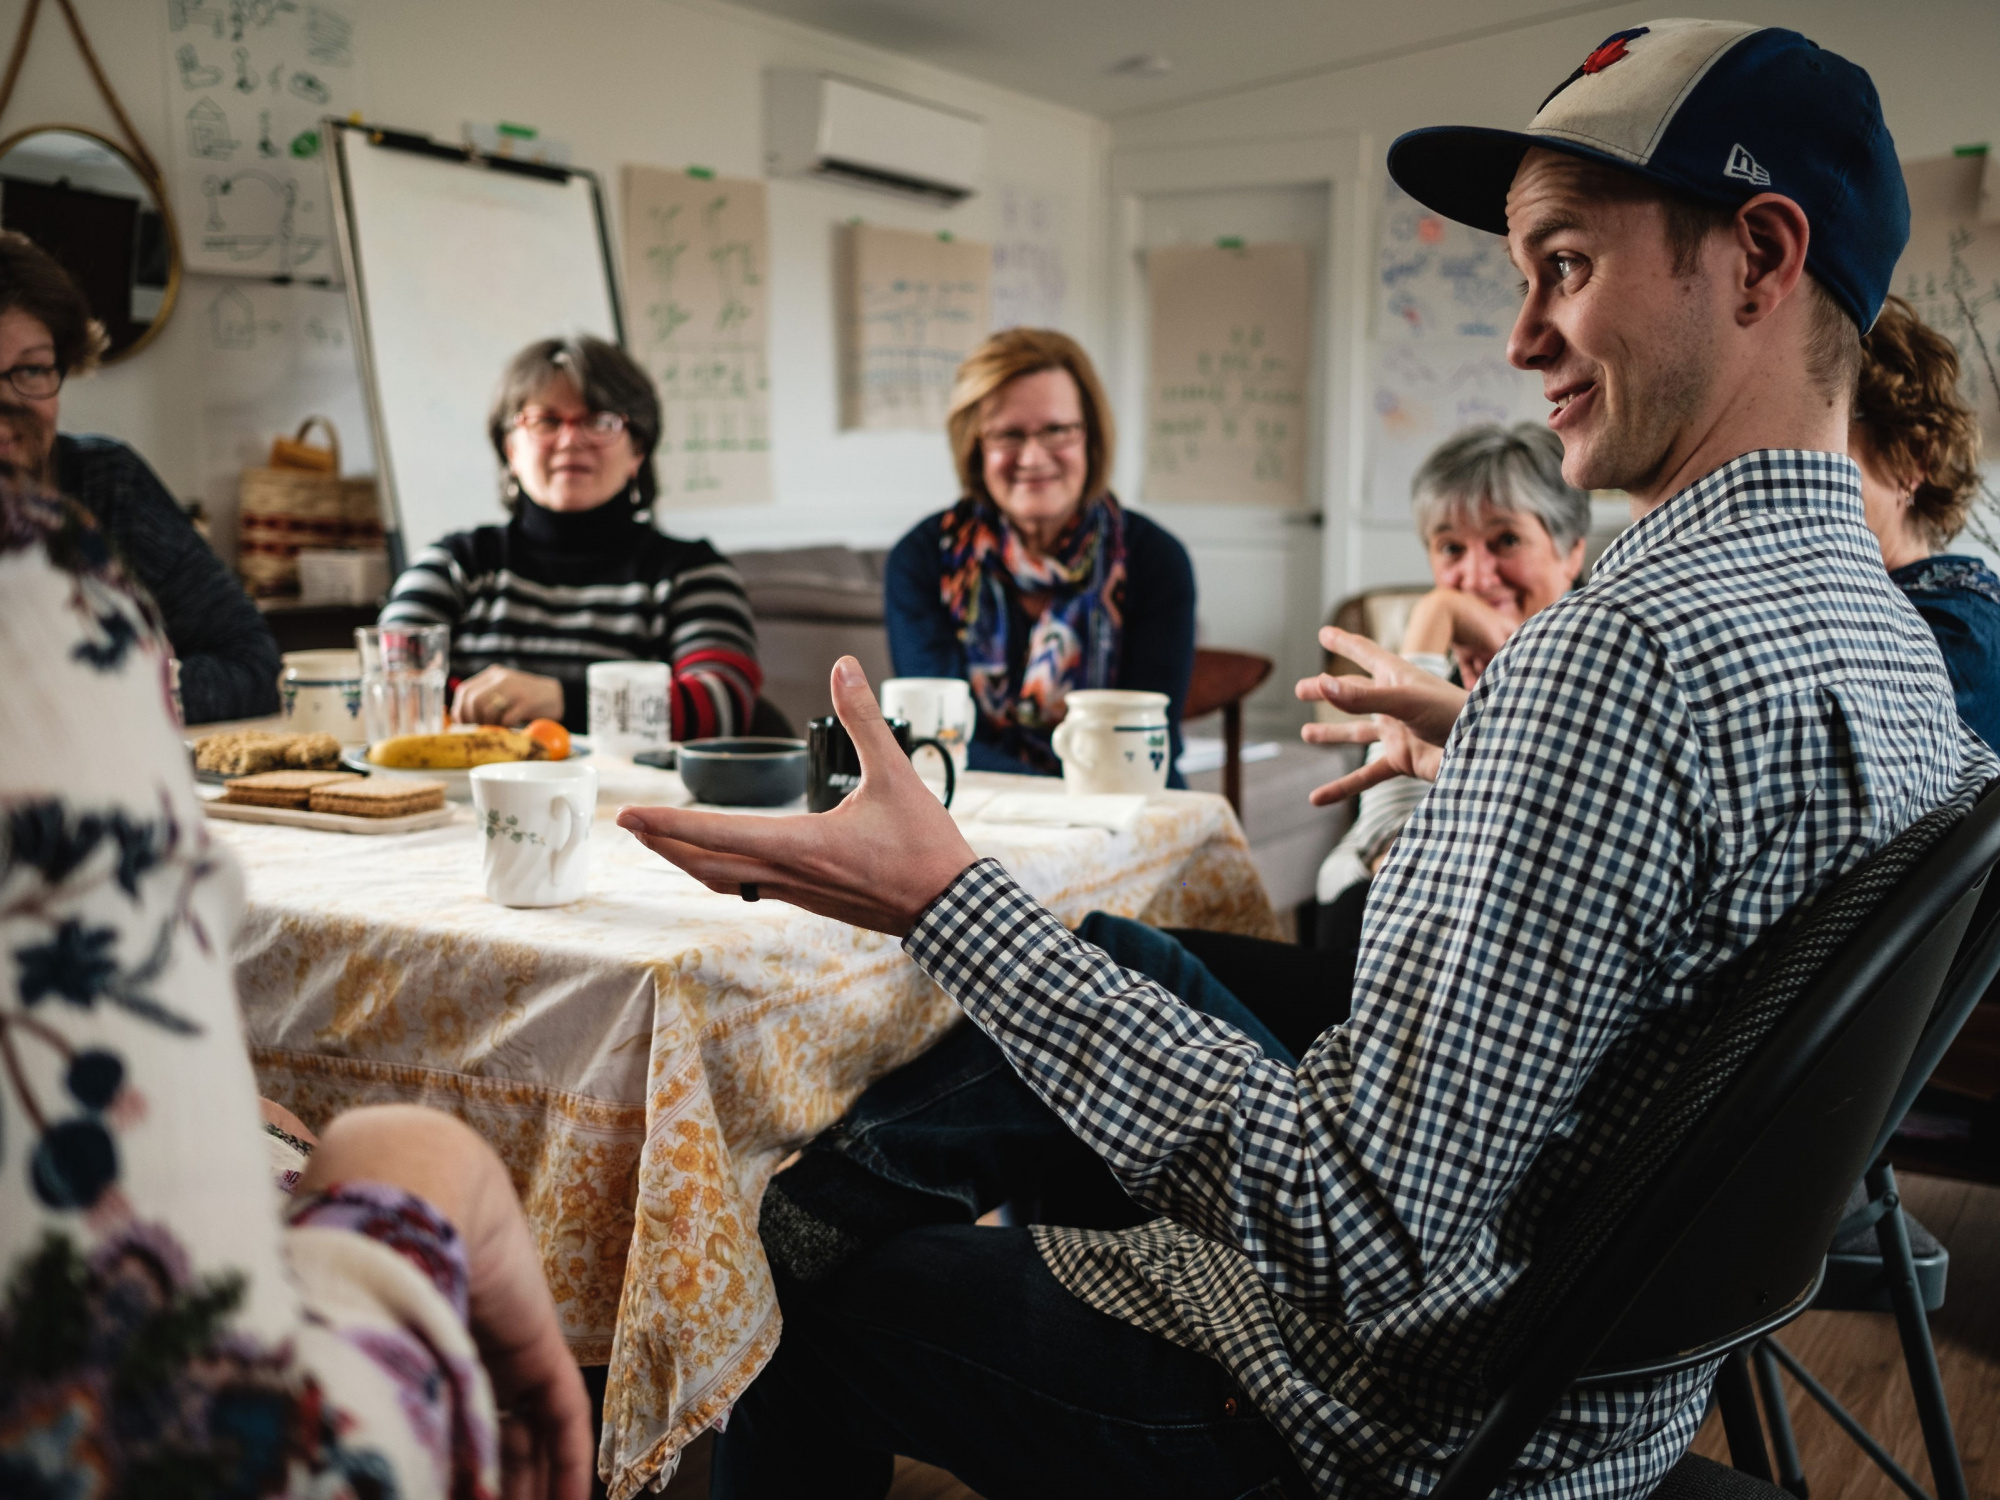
(20, 54)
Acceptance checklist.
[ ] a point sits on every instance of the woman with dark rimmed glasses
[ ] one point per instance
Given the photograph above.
(228, 661)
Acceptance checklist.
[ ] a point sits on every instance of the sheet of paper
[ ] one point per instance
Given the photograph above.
(1950, 273)
(247, 87)
(1030, 280)
(696, 257)
(1424, 392)
(1436, 278)
(1231, 341)
(913, 307)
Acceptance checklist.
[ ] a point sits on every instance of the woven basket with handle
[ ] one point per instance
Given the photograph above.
(299, 500)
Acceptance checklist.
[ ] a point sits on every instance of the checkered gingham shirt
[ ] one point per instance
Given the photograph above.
(1739, 707)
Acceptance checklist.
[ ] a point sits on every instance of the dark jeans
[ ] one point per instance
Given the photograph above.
(953, 1344)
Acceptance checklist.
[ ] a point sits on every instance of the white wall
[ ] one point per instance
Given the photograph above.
(1933, 62)
(664, 82)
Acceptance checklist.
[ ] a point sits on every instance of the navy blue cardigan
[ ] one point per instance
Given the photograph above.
(1156, 651)
(1959, 598)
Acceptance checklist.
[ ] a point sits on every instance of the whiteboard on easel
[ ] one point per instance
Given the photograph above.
(453, 265)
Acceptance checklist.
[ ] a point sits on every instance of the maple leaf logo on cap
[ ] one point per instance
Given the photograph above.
(1611, 49)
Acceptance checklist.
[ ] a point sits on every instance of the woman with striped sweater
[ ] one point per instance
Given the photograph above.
(579, 574)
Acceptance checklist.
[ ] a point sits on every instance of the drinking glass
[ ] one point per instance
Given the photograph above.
(402, 678)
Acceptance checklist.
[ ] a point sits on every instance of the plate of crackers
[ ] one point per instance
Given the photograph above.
(334, 801)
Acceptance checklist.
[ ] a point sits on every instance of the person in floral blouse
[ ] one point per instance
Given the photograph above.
(166, 1328)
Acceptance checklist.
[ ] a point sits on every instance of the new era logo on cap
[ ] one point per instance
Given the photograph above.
(1743, 166)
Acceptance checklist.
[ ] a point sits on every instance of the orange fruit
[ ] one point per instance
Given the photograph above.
(551, 736)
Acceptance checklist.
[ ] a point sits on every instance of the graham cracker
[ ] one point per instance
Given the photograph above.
(379, 797)
(281, 788)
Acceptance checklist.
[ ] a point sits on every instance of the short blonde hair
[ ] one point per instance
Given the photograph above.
(1006, 357)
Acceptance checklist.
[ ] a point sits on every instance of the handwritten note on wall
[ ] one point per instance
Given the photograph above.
(696, 253)
(1950, 273)
(913, 307)
(1436, 278)
(1030, 281)
(247, 85)
(1226, 391)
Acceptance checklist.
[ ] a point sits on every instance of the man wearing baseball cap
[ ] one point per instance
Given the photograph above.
(1738, 708)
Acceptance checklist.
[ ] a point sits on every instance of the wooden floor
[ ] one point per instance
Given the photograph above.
(1855, 1355)
(1858, 1358)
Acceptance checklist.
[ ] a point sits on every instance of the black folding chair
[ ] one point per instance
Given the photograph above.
(1707, 1226)
(1883, 1260)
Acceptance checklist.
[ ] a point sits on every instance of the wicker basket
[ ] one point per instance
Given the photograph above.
(299, 500)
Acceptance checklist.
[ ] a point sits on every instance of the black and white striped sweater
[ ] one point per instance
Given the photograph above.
(551, 592)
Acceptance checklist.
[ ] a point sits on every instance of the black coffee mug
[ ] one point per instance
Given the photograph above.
(833, 769)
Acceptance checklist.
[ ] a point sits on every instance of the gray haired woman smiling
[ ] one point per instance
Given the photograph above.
(1505, 537)
(580, 574)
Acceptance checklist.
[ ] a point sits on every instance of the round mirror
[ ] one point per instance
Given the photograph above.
(83, 200)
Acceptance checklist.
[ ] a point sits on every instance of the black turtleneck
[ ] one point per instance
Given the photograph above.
(553, 591)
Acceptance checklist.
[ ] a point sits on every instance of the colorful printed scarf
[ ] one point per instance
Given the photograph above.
(1073, 596)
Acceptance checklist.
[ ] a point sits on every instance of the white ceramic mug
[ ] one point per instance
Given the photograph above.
(938, 708)
(629, 707)
(319, 692)
(534, 820)
(1113, 741)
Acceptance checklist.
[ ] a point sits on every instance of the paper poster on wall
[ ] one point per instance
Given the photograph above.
(1231, 338)
(271, 356)
(1029, 279)
(696, 257)
(913, 307)
(1436, 278)
(247, 87)
(1950, 273)
(1423, 393)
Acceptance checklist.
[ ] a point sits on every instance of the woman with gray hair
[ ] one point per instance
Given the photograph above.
(1505, 537)
(579, 574)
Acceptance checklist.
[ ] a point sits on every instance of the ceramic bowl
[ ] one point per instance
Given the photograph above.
(745, 771)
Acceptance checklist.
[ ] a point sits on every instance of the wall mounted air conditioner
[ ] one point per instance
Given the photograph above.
(818, 125)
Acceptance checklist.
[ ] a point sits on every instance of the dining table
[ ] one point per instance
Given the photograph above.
(644, 1059)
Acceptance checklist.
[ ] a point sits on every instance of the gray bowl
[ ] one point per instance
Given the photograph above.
(744, 771)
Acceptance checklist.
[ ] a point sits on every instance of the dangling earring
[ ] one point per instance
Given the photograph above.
(513, 489)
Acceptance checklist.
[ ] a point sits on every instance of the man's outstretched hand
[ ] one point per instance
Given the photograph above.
(1413, 711)
(877, 860)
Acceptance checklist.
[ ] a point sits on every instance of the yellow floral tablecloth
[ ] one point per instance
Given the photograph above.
(643, 1059)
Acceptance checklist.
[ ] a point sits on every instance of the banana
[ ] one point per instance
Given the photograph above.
(451, 752)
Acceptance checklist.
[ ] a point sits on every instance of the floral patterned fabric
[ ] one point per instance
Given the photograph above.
(160, 1332)
(644, 1058)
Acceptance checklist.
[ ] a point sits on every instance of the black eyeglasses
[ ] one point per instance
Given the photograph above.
(36, 382)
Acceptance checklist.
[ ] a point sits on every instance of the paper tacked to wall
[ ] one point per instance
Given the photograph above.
(247, 86)
(1226, 388)
(697, 317)
(1950, 273)
(1029, 280)
(1427, 391)
(913, 307)
(1437, 278)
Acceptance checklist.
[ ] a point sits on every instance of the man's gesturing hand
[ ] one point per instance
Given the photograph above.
(1413, 711)
(877, 860)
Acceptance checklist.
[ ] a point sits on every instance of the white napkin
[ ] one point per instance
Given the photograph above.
(1061, 810)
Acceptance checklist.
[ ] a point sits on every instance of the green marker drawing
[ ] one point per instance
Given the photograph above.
(305, 144)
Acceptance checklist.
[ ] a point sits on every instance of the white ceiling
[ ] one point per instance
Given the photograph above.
(1064, 49)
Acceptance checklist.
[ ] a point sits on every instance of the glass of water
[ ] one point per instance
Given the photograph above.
(402, 678)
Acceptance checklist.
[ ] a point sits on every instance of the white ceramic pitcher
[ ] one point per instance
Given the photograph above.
(1113, 741)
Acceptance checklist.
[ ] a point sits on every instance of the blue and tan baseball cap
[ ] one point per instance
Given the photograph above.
(1717, 110)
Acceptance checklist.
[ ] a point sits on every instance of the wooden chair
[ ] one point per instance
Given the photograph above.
(1223, 679)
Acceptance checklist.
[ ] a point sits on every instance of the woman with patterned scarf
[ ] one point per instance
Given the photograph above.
(1917, 445)
(1037, 582)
